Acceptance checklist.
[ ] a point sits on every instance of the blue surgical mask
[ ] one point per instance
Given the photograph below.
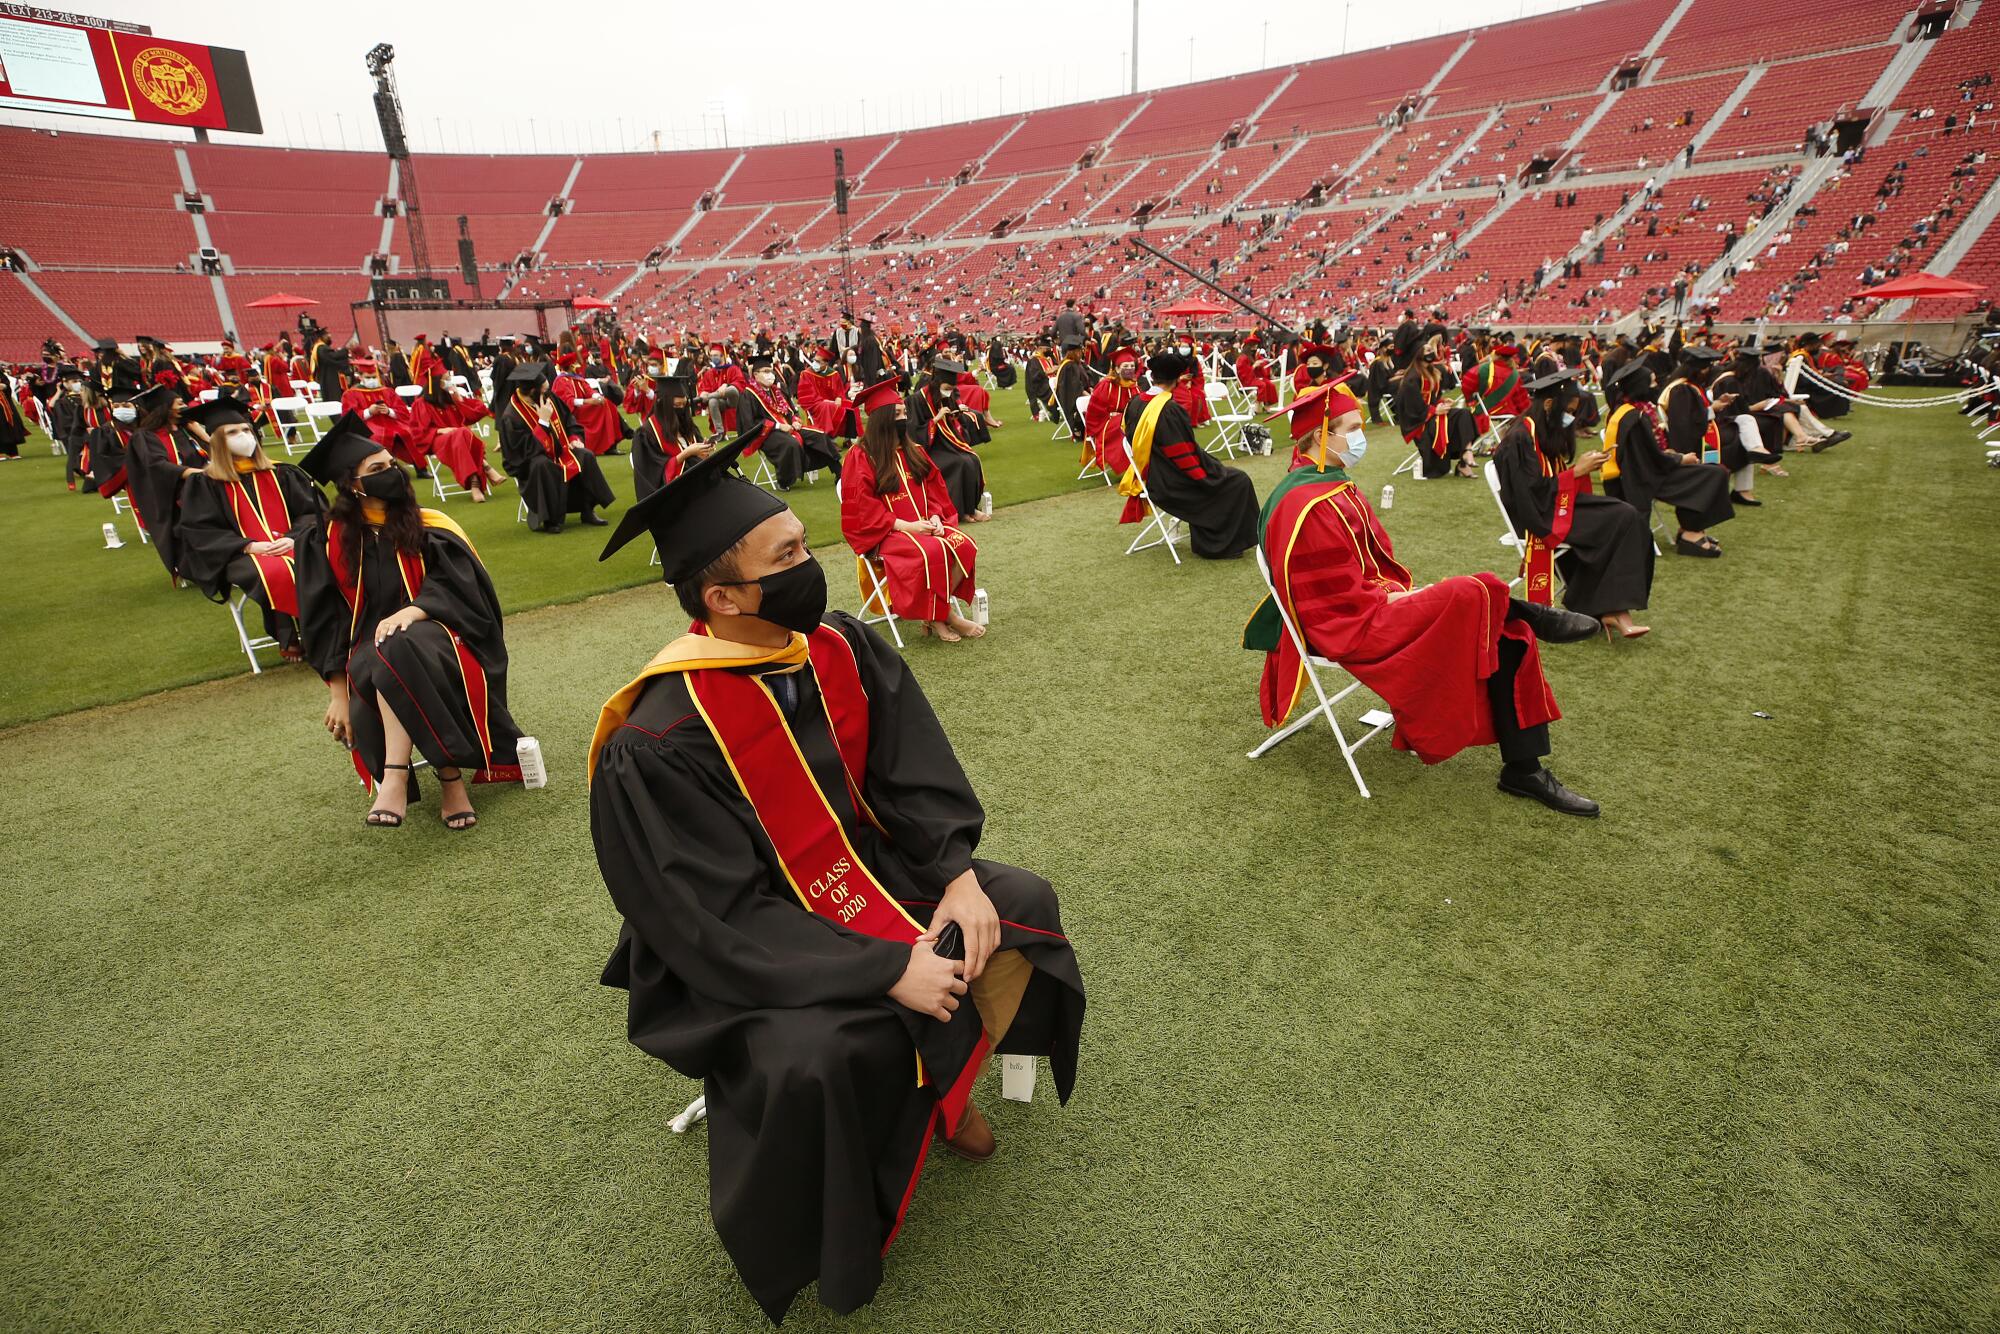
(1357, 446)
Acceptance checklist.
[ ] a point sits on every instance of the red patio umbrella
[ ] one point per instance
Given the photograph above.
(1192, 308)
(1917, 286)
(591, 303)
(282, 301)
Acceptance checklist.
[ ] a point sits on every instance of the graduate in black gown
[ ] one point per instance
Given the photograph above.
(542, 449)
(661, 445)
(158, 455)
(1642, 469)
(397, 615)
(1217, 503)
(237, 517)
(1074, 380)
(951, 434)
(1607, 560)
(768, 414)
(790, 840)
(80, 409)
(329, 366)
(116, 373)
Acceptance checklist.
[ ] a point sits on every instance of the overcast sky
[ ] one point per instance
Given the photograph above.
(504, 76)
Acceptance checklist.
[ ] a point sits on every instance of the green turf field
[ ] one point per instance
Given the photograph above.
(1723, 1060)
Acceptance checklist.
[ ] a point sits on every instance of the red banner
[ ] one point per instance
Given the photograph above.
(169, 83)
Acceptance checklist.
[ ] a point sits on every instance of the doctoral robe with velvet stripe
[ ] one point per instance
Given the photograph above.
(1217, 503)
(816, 1124)
(214, 552)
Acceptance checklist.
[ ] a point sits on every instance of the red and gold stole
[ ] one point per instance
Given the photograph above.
(257, 504)
(554, 440)
(1711, 437)
(1538, 559)
(941, 426)
(818, 861)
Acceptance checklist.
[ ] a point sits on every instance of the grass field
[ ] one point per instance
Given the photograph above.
(1725, 1059)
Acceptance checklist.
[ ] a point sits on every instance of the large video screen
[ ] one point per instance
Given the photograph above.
(51, 60)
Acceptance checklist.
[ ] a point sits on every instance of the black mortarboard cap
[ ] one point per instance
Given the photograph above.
(946, 366)
(682, 368)
(218, 411)
(529, 372)
(1628, 370)
(699, 515)
(1698, 353)
(341, 450)
(760, 360)
(1167, 366)
(105, 345)
(1550, 381)
(69, 372)
(153, 399)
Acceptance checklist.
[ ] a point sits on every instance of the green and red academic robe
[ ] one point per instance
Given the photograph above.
(774, 847)
(445, 677)
(219, 521)
(1428, 655)
(1491, 387)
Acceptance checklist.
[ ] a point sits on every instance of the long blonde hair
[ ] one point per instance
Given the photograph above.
(221, 463)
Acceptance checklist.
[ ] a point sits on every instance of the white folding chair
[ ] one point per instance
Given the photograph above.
(1164, 526)
(249, 643)
(1374, 719)
(443, 484)
(119, 505)
(693, 1112)
(1496, 426)
(1227, 421)
(320, 410)
(521, 511)
(1091, 467)
(294, 430)
(407, 392)
(875, 608)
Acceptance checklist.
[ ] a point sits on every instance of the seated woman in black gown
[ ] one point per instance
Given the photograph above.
(542, 448)
(1442, 433)
(237, 516)
(1607, 557)
(1642, 468)
(400, 619)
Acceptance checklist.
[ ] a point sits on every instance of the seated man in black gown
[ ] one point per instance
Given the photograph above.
(789, 838)
(1600, 545)
(1642, 468)
(1217, 503)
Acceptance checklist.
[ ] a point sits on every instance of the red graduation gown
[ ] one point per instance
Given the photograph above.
(391, 432)
(922, 571)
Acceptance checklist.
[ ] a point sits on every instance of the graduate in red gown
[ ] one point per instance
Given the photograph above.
(823, 397)
(1104, 414)
(1253, 372)
(721, 373)
(896, 512)
(231, 363)
(383, 409)
(1456, 661)
(1321, 417)
(1192, 390)
(602, 424)
(435, 425)
(1495, 385)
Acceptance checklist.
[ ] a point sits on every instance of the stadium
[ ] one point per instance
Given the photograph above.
(1369, 1044)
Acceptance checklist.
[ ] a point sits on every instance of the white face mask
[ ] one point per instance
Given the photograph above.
(766, 377)
(1357, 445)
(124, 414)
(1569, 418)
(242, 444)
(853, 357)
(715, 358)
(1184, 349)
(371, 382)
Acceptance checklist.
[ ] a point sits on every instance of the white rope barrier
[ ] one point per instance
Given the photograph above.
(1842, 391)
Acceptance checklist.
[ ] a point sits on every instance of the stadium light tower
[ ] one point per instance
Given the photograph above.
(389, 114)
(1135, 47)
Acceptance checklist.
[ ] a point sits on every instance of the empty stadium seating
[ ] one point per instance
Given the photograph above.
(1312, 209)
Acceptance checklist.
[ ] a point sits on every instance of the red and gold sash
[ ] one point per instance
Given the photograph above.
(941, 427)
(257, 504)
(554, 440)
(1538, 558)
(819, 862)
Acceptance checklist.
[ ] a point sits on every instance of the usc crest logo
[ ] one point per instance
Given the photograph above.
(170, 81)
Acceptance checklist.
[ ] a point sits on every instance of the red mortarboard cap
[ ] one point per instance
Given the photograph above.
(881, 394)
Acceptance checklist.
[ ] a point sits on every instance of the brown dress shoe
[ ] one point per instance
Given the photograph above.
(974, 1141)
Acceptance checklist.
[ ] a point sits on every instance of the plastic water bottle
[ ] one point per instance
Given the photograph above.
(1389, 497)
(528, 753)
(981, 611)
(986, 504)
(111, 539)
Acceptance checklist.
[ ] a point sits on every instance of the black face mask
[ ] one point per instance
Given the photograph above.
(794, 598)
(388, 484)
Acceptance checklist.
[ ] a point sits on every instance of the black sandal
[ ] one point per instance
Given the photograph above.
(457, 819)
(380, 819)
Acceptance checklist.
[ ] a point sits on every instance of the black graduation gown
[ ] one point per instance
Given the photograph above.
(794, 450)
(1699, 492)
(73, 430)
(1073, 381)
(540, 479)
(949, 436)
(119, 375)
(13, 426)
(1217, 503)
(1379, 372)
(107, 453)
(998, 364)
(1609, 565)
(1035, 380)
(1756, 386)
(330, 368)
(649, 456)
(417, 670)
(815, 1122)
(1411, 410)
(153, 468)
(212, 547)
(503, 366)
(1687, 416)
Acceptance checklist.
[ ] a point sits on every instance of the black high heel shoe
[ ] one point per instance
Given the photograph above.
(380, 819)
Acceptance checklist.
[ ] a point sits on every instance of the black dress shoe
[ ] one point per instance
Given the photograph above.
(552, 528)
(1543, 786)
(1739, 498)
(1820, 446)
(589, 519)
(1553, 625)
(1705, 550)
